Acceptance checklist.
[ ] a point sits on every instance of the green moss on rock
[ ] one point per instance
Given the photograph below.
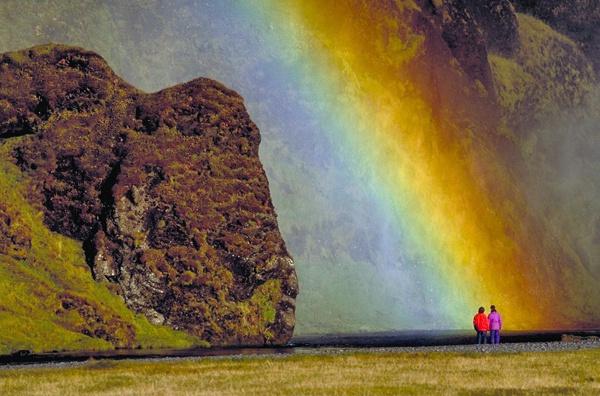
(164, 193)
(547, 77)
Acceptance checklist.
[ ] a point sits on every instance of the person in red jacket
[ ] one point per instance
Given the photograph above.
(481, 324)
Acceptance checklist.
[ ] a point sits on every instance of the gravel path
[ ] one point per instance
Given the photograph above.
(555, 346)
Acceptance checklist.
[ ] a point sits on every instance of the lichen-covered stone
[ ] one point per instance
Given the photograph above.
(577, 19)
(165, 192)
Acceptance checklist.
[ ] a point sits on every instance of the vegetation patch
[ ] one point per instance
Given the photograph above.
(120, 205)
(362, 373)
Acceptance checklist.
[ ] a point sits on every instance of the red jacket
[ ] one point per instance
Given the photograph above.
(480, 321)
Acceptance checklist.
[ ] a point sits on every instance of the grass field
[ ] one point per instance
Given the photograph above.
(540, 373)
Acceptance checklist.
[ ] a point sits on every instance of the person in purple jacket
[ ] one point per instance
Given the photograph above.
(495, 321)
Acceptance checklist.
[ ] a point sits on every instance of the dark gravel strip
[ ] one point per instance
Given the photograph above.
(555, 346)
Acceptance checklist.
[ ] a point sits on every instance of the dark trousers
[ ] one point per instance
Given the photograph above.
(495, 336)
(482, 337)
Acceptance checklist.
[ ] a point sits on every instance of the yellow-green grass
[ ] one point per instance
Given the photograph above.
(364, 373)
(41, 271)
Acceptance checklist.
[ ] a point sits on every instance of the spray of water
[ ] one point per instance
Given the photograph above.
(358, 268)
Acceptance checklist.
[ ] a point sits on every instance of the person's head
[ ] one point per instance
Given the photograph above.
(481, 310)
(493, 307)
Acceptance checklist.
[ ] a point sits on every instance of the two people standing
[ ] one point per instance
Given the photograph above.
(492, 323)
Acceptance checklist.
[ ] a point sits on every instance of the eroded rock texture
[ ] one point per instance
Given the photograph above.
(165, 191)
(498, 23)
(473, 28)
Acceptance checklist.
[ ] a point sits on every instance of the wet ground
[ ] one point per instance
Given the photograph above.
(301, 344)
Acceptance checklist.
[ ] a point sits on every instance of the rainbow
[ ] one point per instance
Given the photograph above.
(391, 180)
(464, 245)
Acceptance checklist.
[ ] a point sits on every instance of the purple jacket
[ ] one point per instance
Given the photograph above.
(495, 320)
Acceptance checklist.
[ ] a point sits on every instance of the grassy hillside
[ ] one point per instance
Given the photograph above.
(547, 78)
(49, 299)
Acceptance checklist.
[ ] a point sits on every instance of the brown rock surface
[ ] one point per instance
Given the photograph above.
(165, 191)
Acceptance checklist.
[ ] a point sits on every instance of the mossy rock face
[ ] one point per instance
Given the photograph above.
(165, 192)
(547, 77)
(577, 19)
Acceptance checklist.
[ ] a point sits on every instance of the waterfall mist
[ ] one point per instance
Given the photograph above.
(359, 268)
(354, 270)
(563, 183)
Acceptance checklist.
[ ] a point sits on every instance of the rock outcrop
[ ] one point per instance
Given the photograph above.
(466, 41)
(498, 23)
(473, 28)
(577, 19)
(165, 192)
